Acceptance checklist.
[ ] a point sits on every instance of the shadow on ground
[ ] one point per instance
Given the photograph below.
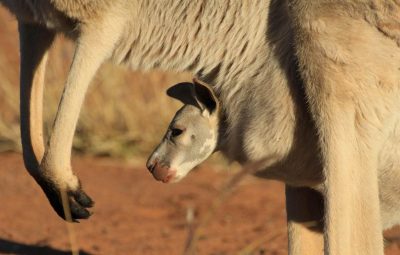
(11, 247)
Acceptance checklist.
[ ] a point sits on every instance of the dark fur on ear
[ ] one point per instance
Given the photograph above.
(205, 95)
(183, 92)
(198, 94)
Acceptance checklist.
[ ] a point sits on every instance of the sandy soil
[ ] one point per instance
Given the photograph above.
(134, 214)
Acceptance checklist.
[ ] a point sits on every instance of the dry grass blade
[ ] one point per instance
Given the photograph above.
(70, 228)
(196, 230)
(256, 244)
(252, 247)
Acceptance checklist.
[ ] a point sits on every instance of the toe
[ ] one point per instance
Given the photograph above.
(82, 198)
(77, 211)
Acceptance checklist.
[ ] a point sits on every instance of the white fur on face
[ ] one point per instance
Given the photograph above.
(182, 166)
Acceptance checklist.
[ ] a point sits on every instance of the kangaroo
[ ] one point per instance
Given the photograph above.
(327, 69)
(199, 128)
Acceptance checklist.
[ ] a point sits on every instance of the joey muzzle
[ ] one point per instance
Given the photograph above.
(159, 169)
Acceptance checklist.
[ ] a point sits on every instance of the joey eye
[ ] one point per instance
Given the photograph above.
(176, 132)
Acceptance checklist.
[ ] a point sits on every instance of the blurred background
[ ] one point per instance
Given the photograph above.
(124, 116)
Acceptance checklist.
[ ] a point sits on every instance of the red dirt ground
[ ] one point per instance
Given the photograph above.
(134, 214)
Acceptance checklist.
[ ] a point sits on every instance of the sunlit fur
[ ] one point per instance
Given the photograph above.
(314, 82)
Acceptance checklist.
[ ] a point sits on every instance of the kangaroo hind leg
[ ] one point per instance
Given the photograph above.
(305, 212)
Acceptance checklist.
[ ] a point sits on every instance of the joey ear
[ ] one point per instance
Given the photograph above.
(205, 96)
(183, 92)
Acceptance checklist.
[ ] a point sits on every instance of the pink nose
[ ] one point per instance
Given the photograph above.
(162, 173)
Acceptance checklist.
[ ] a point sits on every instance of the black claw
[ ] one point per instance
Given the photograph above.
(77, 211)
(83, 199)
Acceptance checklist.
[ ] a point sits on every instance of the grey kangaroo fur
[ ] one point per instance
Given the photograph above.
(320, 81)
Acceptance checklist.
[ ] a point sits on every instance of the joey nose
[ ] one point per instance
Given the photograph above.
(151, 164)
